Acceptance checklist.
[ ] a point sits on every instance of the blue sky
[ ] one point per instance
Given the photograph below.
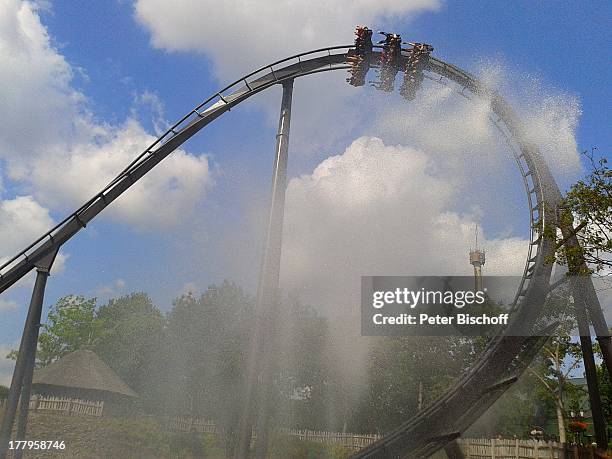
(88, 79)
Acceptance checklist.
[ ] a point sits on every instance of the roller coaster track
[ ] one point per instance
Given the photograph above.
(505, 357)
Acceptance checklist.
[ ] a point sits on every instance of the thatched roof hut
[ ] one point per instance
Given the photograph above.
(82, 375)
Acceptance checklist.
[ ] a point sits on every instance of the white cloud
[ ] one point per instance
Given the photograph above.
(22, 220)
(408, 204)
(108, 291)
(378, 209)
(162, 198)
(54, 149)
(241, 35)
(37, 104)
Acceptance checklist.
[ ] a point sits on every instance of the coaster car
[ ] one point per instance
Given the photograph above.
(416, 63)
(359, 58)
(389, 61)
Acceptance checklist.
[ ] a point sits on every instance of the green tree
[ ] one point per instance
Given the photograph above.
(303, 379)
(71, 324)
(515, 413)
(408, 373)
(207, 343)
(127, 333)
(559, 357)
(588, 205)
(130, 340)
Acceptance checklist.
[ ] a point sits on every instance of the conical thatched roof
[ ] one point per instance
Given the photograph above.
(82, 369)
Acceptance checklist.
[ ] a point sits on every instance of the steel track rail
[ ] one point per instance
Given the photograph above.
(505, 357)
(18, 266)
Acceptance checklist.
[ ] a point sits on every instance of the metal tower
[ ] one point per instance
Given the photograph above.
(477, 260)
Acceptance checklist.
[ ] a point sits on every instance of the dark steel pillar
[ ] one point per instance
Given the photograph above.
(25, 362)
(596, 316)
(26, 391)
(261, 361)
(590, 370)
(587, 307)
(586, 294)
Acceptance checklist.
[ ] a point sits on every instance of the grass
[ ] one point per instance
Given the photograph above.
(135, 438)
(107, 437)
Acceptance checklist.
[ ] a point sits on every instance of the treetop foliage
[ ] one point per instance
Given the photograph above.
(588, 208)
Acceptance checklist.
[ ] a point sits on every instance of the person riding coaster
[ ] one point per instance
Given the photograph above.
(389, 61)
(359, 58)
(416, 63)
(363, 40)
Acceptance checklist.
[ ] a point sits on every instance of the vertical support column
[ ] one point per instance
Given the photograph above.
(590, 370)
(25, 360)
(260, 360)
(598, 320)
(26, 391)
(586, 293)
(587, 307)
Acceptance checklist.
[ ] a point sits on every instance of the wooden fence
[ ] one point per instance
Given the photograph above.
(480, 448)
(66, 405)
(348, 440)
(184, 424)
(484, 448)
(473, 448)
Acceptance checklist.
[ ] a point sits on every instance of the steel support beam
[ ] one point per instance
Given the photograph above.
(587, 306)
(263, 342)
(590, 370)
(21, 382)
(585, 295)
(26, 391)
